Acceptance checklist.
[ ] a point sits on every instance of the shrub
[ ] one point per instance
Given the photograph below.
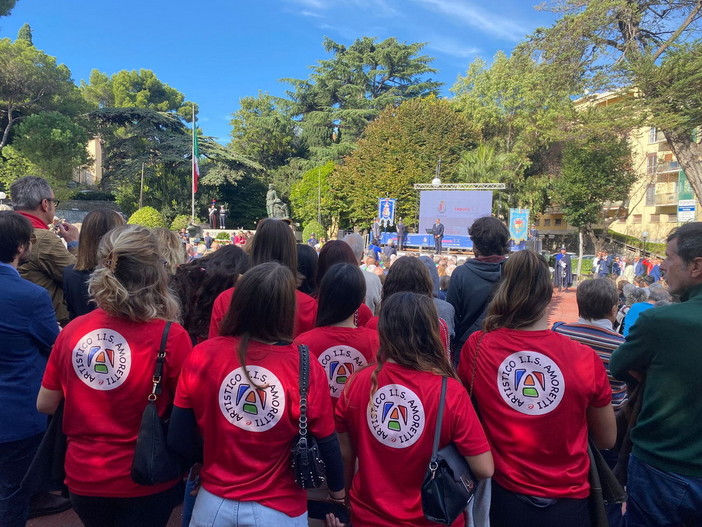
(181, 221)
(148, 217)
(313, 227)
(222, 236)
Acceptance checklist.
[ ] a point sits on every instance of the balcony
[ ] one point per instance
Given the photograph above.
(667, 166)
(667, 199)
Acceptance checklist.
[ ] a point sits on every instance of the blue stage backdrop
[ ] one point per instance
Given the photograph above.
(457, 210)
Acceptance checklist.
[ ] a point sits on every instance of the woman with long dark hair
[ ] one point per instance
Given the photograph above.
(340, 345)
(95, 225)
(539, 394)
(273, 242)
(240, 393)
(102, 364)
(387, 415)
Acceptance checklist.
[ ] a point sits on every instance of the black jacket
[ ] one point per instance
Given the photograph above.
(470, 290)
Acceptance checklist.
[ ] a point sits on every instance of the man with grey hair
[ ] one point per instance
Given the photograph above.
(663, 350)
(33, 198)
(373, 285)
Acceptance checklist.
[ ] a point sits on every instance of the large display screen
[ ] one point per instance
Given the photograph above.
(457, 209)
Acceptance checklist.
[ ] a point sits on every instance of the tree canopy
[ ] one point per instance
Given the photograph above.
(346, 92)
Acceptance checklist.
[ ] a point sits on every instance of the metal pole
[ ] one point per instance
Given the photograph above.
(192, 178)
(141, 188)
(319, 196)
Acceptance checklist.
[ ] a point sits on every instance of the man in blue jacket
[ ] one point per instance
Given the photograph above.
(28, 328)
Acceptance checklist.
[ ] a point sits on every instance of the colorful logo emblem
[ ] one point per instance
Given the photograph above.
(442, 206)
(339, 363)
(254, 406)
(530, 383)
(396, 416)
(102, 359)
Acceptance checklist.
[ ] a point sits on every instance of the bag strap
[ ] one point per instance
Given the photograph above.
(304, 382)
(160, 359)
(433, 465)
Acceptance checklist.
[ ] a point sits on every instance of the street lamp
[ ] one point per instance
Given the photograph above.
(436, 182)
(644, 235)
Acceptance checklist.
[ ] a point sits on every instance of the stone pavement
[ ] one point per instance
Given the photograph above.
(563, 307)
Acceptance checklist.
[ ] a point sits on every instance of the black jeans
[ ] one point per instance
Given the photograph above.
(509, 510)
(148, 511)
(15, 458)
(437, 245)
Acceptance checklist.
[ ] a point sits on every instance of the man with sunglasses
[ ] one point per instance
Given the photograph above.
(33, 198)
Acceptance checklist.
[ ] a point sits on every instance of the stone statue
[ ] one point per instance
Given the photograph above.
(275, 206)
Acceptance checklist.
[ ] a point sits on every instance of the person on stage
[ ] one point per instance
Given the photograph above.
(437, 231)
(212, 214)
(222, 216)
(401, 230)
(562, 275)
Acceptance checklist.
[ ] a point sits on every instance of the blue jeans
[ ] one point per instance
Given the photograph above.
(213, 511)
(662, 499)
(15, 458)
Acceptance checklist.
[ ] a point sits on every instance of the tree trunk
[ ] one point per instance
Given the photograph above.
(580, 253)
(689, 155)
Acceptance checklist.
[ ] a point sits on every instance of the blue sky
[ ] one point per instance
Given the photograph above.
(218, 51)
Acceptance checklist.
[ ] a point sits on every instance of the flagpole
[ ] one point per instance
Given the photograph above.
(192, 168)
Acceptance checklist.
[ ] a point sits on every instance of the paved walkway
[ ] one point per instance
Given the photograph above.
(563, 307)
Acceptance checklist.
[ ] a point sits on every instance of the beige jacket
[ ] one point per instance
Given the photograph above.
(45, 268)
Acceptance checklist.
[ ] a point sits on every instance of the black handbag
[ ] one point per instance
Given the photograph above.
(153, 463)
(605, 489)
(449, 484)
(308, 467)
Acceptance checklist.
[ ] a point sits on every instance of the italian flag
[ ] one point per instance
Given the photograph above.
(196, 166)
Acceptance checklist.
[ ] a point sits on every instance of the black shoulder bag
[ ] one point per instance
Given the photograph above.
(449, 484)
(153, 463)
(307, 465)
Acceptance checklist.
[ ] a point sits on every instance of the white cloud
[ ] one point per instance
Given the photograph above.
(493, 23)
(311, 14)
(452, 47)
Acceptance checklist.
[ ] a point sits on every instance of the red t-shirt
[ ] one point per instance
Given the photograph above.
(305, 312)
(393, 439)
(341, 352)
(248, 432)
(104, 366)
(532, 390)
(364, 315)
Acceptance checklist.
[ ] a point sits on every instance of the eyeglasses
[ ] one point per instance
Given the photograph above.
(54, 200)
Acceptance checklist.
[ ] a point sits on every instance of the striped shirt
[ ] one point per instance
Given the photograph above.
(604, 342)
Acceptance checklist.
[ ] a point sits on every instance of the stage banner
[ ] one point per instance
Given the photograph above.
(518, 224)
(456, 209)
(386, 211)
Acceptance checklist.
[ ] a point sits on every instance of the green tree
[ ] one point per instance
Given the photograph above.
(13, 166)
(6, 6)
(264, 133)
(312, 199)
(649, 49)
(596, 170)
(402, 147)
(54, 143)
(31, 82)
(344, 93)
(25, 33)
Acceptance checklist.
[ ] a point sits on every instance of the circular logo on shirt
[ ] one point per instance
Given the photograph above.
(396, 416)
(254, 407)
(339, 362)
(530, 383)
(102, 359)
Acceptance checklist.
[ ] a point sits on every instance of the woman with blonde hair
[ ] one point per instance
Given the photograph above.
(102, 365)
(170, 248)
(387, 415)
(538, 394)
(95, 225)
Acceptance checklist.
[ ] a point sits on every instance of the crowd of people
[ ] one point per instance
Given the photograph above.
(81, 333)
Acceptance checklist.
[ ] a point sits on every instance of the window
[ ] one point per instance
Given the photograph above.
(637, 218)
(653, 135)
(655, 218)
(559, 221)
(672, 218)
(537, 222)
(651, 195)
(547, 223)
(651, 163)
